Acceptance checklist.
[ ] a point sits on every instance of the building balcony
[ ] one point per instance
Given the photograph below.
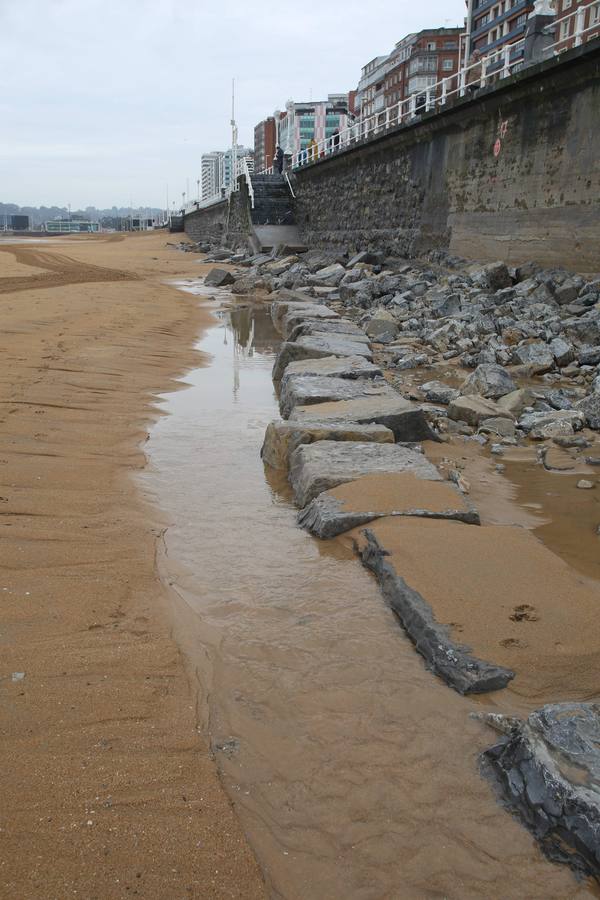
(519, 7)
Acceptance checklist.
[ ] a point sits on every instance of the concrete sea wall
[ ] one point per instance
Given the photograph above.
(513, 174)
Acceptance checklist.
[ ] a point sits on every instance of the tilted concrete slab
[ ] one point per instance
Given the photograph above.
(282, 438)
(311, 347)
(337, 326)
(376, 496)
(295, 317)
(280, 309)
(407, 421)
(338, 366)
(315, 468)
(497, 589)
(306, 390)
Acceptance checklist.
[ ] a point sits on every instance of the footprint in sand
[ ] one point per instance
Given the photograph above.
(524, 613)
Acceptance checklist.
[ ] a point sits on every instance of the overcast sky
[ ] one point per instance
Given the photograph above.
(105, 102)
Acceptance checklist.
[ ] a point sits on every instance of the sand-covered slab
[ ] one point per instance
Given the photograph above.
(407, 421)
(307, 390)
(339, 366)
(318, 467)
(282, 438)
(313, 347)
(500, 592)
(375, 496)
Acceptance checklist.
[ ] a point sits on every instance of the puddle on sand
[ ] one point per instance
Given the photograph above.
(353, 770)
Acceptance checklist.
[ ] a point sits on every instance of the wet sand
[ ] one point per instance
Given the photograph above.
(109, 789)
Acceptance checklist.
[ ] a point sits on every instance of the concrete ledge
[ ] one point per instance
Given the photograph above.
(450, 661)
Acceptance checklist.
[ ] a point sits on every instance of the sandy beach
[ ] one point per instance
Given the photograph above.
(109, 789)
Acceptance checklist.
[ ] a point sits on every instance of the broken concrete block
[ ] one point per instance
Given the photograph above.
(375, 496)
(282, 438)
(338, 366)
(307, 390)
(407, 421)
(312, 347)
(474, 409)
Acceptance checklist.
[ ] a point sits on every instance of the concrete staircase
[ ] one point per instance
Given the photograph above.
(272, 201)
(273, 222)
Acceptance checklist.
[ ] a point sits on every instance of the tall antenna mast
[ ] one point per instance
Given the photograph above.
(234, 139)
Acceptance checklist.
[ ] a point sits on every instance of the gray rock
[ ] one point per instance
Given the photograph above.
(382, 330)
(516, 401)
(589, 356)
(498, 426)
(536, 420)
(307, 390)
(372, 259)
(407, 421)
(330, 276)
(474, 409)
(590, 407)
(537, 356)
(318, 467)
(497, 276)
(562, 351)
(438, 392)
(313, 347)
(566, 292)
(282, 438)
(548, 769)
(218, 278)
(585, 485)
(489, 380)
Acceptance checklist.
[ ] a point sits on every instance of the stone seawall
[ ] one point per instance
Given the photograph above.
(512, 174)
(208, 224)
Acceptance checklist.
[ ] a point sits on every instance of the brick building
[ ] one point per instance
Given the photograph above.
(416, 63)
(567, 26)
(265, 140)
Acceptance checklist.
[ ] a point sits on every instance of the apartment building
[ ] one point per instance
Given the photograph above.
(576, 21)
(303, 122)
(416, 63)
(265, 141)
(495, 23)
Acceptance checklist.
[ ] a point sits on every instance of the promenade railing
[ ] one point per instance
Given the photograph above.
(573, 30)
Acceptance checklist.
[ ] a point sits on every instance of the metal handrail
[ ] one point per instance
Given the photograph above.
(495, 66)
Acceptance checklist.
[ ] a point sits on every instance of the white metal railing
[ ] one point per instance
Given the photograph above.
(574, 29)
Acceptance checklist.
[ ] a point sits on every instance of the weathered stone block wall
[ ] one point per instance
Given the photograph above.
(208, 224)
(511, 174)
(238, 220)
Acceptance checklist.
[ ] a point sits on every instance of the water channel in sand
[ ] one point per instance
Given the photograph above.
(353, 770)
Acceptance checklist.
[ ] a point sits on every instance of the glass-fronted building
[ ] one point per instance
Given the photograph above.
(70, 226)
(303, 122)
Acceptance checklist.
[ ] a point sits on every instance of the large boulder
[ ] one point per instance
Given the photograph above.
(475, 409)
(218, 278)
(320, 326)
(307, 390)
(313, 347)
(282, 438)
(489, 380)
(407, 421)
(556, 418)
(318, 467)
(516, 401)
(438, 392)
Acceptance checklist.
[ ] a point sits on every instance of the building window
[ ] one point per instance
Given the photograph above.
(431, 46)
(448, 65)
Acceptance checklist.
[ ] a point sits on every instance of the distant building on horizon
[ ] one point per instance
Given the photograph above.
(216, 170)
(14, 222)
(71, 226)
